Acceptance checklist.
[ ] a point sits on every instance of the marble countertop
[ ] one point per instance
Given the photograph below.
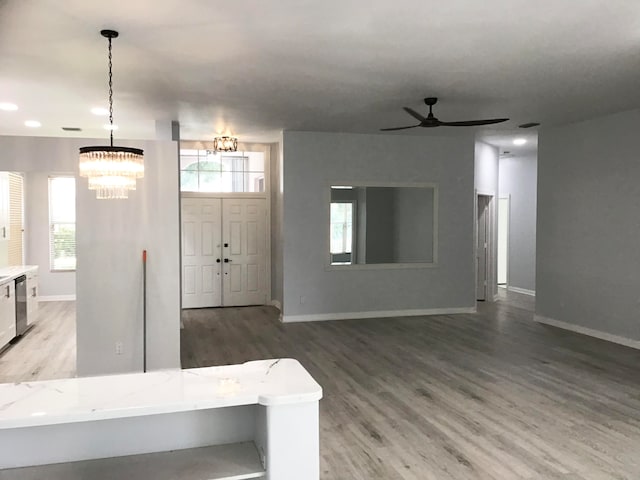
(8, 274)
(265, 382)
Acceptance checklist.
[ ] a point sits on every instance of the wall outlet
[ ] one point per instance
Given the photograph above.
(119, 348)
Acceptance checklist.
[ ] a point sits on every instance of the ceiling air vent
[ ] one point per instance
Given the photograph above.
(72, 129)
(529, 125)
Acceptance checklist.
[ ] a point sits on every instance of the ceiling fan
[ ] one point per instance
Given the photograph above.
(431, 122)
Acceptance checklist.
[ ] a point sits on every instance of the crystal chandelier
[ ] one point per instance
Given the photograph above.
(225, 144)
(112, 171)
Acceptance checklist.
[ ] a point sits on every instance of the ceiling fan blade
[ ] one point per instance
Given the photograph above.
(414, 114)
(397, 128)
(474, 123)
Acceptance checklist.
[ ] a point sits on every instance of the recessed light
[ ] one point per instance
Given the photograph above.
(8, 107)
(100, 111)
(110, 127)
(520, 141)
(32, 123)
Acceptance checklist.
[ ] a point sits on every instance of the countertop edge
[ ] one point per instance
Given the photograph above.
(9, 274)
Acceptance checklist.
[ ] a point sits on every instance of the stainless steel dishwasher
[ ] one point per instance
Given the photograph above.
(21, 305)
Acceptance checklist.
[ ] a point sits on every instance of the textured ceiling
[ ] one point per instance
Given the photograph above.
(254, 68)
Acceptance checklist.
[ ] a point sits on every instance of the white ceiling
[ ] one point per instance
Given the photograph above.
(504, 141)
(253, 68)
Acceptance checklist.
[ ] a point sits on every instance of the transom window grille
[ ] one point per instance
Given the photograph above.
(220, 172)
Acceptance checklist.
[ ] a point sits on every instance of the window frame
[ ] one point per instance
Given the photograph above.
(242, 156)
(52, 224)
(330, 266)
(354, 213)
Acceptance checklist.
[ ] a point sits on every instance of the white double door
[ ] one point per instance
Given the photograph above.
(224, 252)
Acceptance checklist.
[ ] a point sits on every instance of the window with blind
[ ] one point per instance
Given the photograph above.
(16, 219)
(62, 223)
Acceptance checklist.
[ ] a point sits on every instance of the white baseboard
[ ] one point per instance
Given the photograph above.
(276, 303)
(522, 290)
(57, 298)
(377, 314)
(627, 342)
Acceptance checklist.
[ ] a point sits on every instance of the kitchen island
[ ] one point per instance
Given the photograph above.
(254, 420)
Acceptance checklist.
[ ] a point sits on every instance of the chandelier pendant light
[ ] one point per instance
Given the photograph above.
(225, 144)
(111, 171)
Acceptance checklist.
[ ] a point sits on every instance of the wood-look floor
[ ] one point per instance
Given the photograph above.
(45, 352)
(491, 395)
(486, 396)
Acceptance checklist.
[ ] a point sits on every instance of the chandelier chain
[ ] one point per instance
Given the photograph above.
(110, 92)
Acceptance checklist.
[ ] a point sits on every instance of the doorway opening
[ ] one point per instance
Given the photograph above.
(224, 252)
(225, 224)
(485, 248)
(503, 240)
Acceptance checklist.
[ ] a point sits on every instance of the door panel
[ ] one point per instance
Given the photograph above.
(188, 238)
(235, 236)
(201, 247)
(189, 280)
(481, 293)
(253, 278)
(252, 238)
(209, 246)
(244, 230)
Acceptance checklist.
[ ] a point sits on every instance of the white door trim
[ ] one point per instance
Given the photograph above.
(508, 232)
(492, 284)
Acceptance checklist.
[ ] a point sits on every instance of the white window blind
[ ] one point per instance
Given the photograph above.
(15, 219)
(341, 227)
(62, 223)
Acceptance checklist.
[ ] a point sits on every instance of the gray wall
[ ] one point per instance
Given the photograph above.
(309, 170)
(38, 158)
(588, 231)
(276, 223)
(518, 180)
(486, 168)
(111, 235)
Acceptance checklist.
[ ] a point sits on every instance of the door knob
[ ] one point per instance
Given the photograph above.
(226, 260)
(217, 260)
(226, 244)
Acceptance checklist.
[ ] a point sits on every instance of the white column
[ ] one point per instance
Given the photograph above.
(293, 442)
